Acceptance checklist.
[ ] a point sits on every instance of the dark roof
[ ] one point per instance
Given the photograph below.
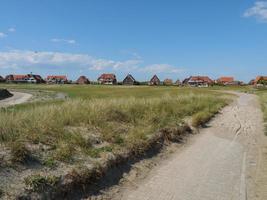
(107, 76)
(130, 77)
(154, 78)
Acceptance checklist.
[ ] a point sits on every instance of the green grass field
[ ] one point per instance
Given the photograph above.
(96, 121)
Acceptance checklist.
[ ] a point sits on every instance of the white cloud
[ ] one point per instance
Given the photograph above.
(162, 68)
(30, 60)
(258, 10)
(71, 41)
(2, 35)
(11, 29)
(18, 58)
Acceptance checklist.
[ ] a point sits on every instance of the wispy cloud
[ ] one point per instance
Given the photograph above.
(21, 59)
(2, 35)
(11, 30)
(162, 68)
(68, 41)
(258, 10)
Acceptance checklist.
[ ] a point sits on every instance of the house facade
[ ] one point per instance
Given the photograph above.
(226, 80)
(154, 80)
(198, 81)
(107, 79)
(168, 82)
(28, 78)
(56, 79)
(260, 81)
(129, 80)
(178, 82)
(83, 80)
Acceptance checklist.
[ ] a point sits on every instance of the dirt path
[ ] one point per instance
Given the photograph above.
(228, 160)
(17, 98)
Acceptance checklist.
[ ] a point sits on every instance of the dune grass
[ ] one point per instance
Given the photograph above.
(76, 126)
(94, 123)
(263, 97)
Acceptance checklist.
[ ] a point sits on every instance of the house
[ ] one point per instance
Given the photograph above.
(251, 82)
(154, 81)
(198, 81)
(12, 78)
(26, 78)
(226, 80)
(83, 80)
(56, 79)
(178, 82)
(2, 79)
(167, 82)
(129, 80)
(260, 81)
(107, 79)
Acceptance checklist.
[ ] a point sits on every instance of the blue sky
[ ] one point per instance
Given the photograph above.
(171, 38)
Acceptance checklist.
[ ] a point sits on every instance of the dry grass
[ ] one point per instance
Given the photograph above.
(82, 131)
(116, 122)
(263, 97)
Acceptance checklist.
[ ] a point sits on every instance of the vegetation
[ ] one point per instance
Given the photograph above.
(263, 97)
(38, 183)
(98, 121)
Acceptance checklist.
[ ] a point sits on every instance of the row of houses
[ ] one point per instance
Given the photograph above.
(110, 79)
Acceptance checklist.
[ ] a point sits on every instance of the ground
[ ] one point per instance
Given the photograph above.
(48, 137)
(227, 160)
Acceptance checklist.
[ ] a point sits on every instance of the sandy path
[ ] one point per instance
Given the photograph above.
(17, 98)
(226, 161)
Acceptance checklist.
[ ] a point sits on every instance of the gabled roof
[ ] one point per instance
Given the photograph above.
(130, 77)
(57, 77)
(83, 79)
(154, 78)
(204, 79)
(258, 78)
(107, 76)
(226, 79)
(167, 80)
(2, 78)
(19, 77)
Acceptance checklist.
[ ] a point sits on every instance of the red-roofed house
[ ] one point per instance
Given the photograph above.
(260, 80)
(56, 79)
(107, 79)
(226, 80)
(198, 81)
(28, 78)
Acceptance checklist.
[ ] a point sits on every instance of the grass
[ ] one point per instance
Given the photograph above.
(263, 97)
(70, 127)
(39, 183)
(98, 120)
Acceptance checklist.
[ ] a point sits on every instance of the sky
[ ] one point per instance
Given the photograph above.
(170, 38)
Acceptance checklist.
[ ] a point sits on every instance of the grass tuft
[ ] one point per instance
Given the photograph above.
(19, 152)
